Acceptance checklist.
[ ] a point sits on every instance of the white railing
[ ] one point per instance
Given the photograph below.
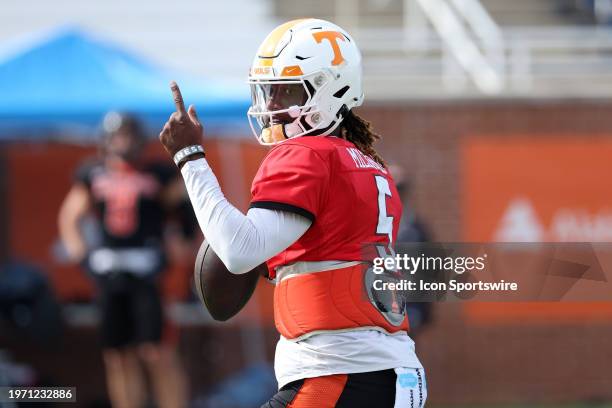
(488, 33)
(456, 34)
(454, 47)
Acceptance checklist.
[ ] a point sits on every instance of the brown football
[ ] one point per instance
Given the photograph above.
(223, 293)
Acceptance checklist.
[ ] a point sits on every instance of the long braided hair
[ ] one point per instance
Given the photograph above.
(359, 131)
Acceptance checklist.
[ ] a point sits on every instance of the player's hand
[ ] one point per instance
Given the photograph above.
(183, 128)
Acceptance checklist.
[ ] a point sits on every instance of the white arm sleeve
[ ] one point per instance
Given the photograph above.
(241, 241)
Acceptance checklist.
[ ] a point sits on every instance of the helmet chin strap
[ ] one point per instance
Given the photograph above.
(332, 127)
(292, 129)
(328, 130)
(278, 133)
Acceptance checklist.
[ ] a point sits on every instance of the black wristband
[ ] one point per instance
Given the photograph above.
(182, 155)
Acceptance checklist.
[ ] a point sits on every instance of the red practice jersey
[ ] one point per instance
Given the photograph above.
(350, 199)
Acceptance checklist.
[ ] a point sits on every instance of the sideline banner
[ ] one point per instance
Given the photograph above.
(537, 188)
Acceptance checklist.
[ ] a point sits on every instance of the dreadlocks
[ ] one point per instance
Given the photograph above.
(359, 131)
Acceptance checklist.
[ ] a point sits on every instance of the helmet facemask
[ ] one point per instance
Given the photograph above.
(285, 108)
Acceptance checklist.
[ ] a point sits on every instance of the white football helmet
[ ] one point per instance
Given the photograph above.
(305, 77)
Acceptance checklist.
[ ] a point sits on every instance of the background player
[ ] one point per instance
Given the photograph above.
(131, 199)
(320, 195)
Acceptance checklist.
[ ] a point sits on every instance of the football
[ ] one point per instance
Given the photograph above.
(223, 293)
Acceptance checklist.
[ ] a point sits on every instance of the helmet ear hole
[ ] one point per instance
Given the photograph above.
(311, 89)
(342, 112)
(340, 92)
(304, 123)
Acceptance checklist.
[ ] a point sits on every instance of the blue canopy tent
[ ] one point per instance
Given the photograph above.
(60, 86)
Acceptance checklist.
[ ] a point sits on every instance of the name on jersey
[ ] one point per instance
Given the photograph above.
(363, 161)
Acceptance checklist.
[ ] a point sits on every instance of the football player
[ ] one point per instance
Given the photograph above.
(321, 197)
(131, 199)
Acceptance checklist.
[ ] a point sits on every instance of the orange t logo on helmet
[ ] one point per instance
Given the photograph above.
(332, 37)
(286, 54)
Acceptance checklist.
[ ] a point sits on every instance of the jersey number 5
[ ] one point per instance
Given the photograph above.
(387, 303)
(385, 222)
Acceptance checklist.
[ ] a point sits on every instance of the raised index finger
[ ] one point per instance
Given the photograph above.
(178, 98)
